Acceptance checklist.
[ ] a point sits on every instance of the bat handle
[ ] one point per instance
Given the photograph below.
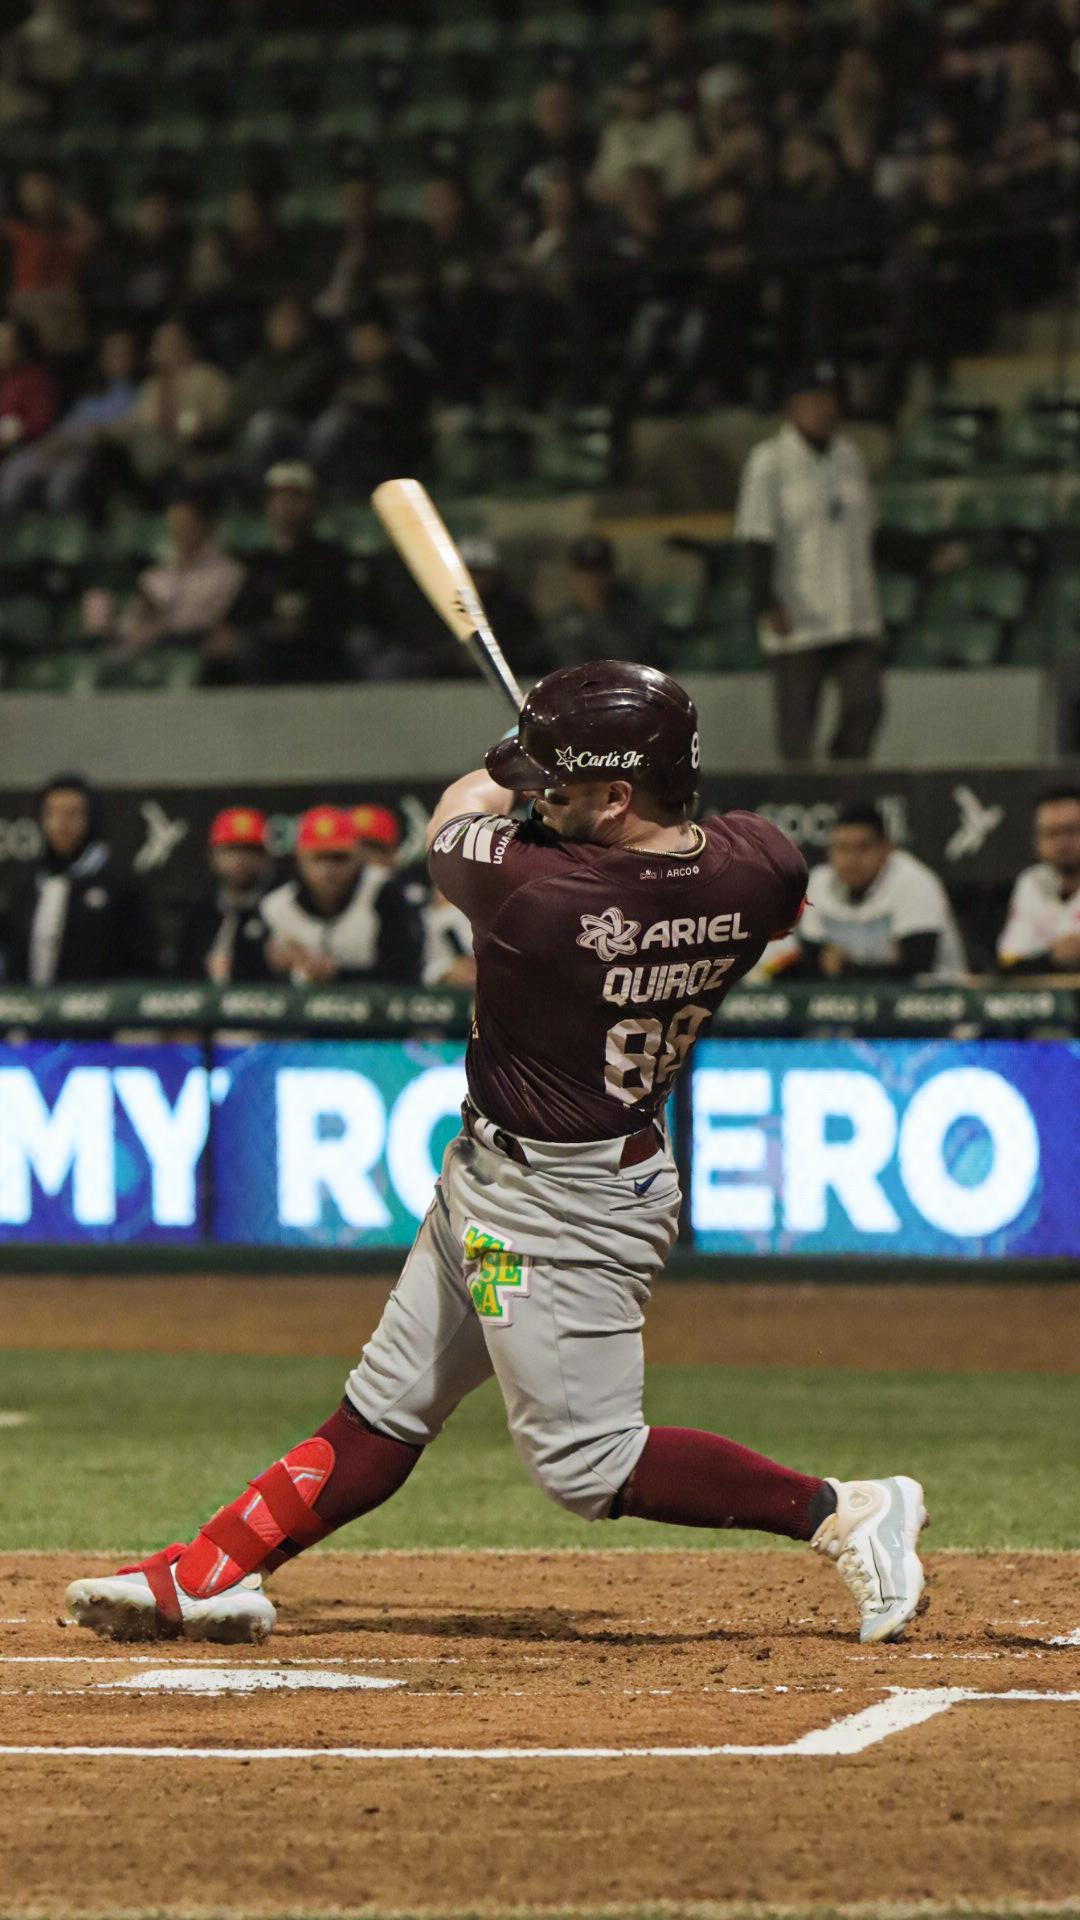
(489, 656)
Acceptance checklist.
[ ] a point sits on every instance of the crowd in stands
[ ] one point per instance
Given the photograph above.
(207, 276)
(800, 170)
(347, 909)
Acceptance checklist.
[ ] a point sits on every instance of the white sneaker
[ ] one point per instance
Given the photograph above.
(873, 1537)
(147, 1603)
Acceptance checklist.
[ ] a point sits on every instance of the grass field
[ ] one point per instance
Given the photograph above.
(124, 1452)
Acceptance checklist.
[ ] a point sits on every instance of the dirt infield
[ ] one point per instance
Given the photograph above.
(1034, 1327)
(946, 1768)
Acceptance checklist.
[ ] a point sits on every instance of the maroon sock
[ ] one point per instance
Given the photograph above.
(368, 1466)
(692, 1479)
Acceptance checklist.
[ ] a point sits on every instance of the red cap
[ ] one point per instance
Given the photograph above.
(325, 830)
(375, 825)
(238, 827)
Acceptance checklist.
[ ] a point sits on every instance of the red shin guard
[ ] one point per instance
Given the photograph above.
(344, 1470)
(691, 1479)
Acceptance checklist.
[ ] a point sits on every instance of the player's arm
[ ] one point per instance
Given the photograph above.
(473, 793)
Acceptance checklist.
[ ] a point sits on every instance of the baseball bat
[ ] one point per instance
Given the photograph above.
(421, 537)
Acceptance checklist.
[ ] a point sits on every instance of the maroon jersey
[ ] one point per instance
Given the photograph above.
(598, 966)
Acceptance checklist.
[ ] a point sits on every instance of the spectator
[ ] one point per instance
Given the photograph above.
(644, 133)
(856, 112)
(59, 467)
(871, 909)
(186, 598)
(556, 316)
(805, 514)
(735, 144)
(901, 45)
(508, 610)
(181, 407)
(458, 318)
(817, 222)
(282, 387)
(554, 137)
(1042, 929)
(449, 960)
(346, 915)
(234, 272)
(363, 252)
(797, 62)
(223, 936)
(76, 915)
(941, 277)
(721, 308)
(604, 619)
(45, 246)
(141, 276)
(290, 622)
(379, 420)
(671, 55)
(650, 257)
(27, 392)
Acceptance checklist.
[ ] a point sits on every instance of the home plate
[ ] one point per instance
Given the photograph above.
(218, 1680)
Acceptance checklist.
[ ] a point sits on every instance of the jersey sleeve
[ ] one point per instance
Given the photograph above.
(784, 863)
(479, 860)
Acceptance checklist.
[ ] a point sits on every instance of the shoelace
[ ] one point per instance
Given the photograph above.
(856, 1576)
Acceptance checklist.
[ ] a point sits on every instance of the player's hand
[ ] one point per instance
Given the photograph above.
(777, 619)
(1066, 951)
(832, 961)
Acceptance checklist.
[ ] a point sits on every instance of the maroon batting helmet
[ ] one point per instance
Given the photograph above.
(606, 717)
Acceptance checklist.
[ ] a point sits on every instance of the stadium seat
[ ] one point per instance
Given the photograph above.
(1001, 509)
(65, 539)
(63, 672)
(1045, 434)
(361, 121)
(296, 48)
(174, 133)
(27, 622)
(731, 648)
(951, 640)
(556, 30)
(468, 34)
(261, 130)
(999, 591)
(899, 593)
(912, 508)
(576, 450)
(162, 669)
(950, 439)
(675, 599)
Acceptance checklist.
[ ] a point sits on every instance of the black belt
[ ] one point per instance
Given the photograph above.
(636, 1146)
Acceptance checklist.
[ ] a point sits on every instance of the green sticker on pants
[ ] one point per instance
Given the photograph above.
(500, 1273)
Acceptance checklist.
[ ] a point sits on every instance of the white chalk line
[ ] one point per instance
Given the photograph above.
(178, 1660)
(851, 1735)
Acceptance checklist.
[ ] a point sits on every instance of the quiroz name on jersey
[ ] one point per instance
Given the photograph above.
(678, 979)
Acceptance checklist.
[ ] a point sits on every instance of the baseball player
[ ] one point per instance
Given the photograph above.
(608, 926)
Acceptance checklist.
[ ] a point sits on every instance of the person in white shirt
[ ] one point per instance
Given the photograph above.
(347, 916)
(644, 133)
(1042, 928)
(871, 909)
(805, 514)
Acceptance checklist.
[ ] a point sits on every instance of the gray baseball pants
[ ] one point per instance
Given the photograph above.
(537, 1274)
